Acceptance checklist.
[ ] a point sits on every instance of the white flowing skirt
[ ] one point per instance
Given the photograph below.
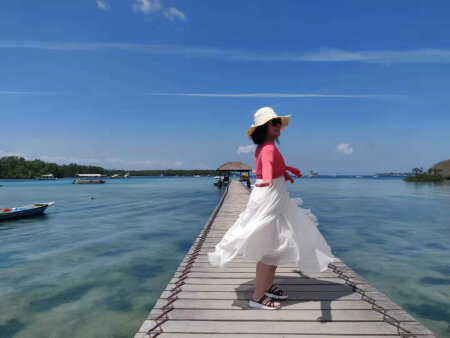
(273, 229)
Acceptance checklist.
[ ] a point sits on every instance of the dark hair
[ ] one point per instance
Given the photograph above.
(260, 133)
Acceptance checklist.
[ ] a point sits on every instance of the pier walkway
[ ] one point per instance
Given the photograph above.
(202, 301)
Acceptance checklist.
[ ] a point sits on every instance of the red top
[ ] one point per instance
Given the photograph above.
(269, 163)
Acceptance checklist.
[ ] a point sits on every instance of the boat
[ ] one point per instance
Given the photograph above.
(26, 210)
(221, 180)
(115, 176)
(196, 175)
(89, 179)
(313, 173)
(126, 175)
(47, 177)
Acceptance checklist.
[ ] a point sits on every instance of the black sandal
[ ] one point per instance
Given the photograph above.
(259, 304)
(278, 294)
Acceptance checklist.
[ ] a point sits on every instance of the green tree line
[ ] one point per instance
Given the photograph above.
(18, 167)
(418, 175)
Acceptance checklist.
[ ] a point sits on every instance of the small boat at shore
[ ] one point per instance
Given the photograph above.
(89, 179)
(26, 210)
(221, 180)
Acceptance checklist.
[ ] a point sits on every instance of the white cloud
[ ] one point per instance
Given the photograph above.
(56, 159)
(146, 6)
(380, 56)
(246, 149)
(151, 164)
(10, 153)
(104, 162)
(114, 160)
(323, 55)
(299, 95)
(67, 160)
(102, 5)
(344, 148)
(27, 93)
(154, 6)
(173, 13)
(84, 160)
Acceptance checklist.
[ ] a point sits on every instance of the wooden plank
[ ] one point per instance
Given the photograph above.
(282, 316)
(277, 280)
(252, 275)
(274, 327)
(303, 296)
(288, 305)
(250, 288)
(244, 335)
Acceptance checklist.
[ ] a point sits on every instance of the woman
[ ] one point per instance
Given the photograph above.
(273, 230)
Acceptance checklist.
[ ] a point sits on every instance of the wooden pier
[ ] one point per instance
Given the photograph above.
(203, 301)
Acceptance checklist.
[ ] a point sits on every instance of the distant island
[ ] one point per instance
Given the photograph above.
(19, 168)
(391, 174)
(437, 173)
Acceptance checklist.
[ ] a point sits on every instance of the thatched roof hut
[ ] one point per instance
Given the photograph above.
(236, 166)
(444, 166)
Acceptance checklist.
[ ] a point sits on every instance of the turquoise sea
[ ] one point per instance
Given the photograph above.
(95, 263)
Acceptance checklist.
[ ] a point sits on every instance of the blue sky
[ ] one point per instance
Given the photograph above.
(146, 84)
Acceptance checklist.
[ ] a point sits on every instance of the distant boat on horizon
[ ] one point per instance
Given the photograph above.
(89, 179)
(47, 177)
(313, 173)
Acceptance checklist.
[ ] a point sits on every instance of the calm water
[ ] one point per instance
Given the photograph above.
(95, 264)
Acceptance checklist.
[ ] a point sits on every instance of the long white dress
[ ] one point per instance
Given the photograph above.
(275, 230)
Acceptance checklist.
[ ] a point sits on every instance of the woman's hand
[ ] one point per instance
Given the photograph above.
(264, 184)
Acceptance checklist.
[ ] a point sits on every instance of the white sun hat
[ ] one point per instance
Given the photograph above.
(265, 114)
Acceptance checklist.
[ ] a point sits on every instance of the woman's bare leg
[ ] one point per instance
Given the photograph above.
(264, 273)
(271, 273)
(269, 283)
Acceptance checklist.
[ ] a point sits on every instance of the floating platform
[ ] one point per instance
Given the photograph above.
(203, 301)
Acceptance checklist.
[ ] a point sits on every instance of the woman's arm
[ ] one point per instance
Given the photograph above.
(294, 170)
(267, 159)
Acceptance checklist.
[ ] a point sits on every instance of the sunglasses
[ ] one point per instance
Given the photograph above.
(276, 121)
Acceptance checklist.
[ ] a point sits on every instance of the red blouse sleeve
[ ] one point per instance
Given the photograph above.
(267, 159)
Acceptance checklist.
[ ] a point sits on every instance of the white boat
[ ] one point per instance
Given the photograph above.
(221, 180)
(115, 176)
(313, 173)
(47, 177)
(196, 175)
(126, 175)
(89, 179)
